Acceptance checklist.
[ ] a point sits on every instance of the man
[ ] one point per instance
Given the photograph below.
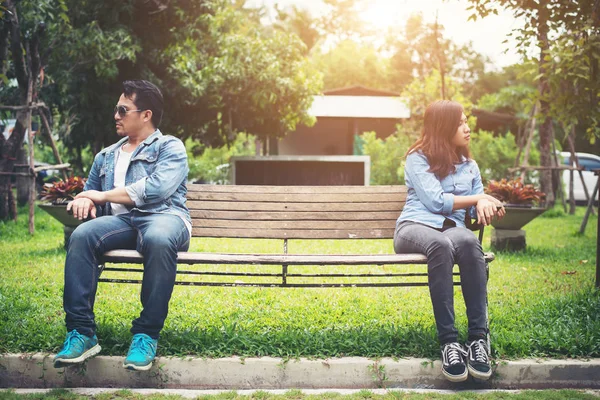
(137, 189)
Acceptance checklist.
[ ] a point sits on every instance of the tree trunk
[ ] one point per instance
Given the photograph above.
(572, 160)
(545, 131)
(22, 182)
(530, 130)
(9, 148)
(8, 157)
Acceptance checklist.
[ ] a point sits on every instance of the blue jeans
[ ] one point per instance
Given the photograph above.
(157, 236)
(444, 249)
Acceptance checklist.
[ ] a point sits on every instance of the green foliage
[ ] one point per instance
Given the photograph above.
(566, 66)
(351, 63)
(419, 47)
(298, 20)
(423, 91)
(387, 156)
(494, 154)
(211, 165)
(220, 70)
(574, 82)
(237, 77)
(517, 100)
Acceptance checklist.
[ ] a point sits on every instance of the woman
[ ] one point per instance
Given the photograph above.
(444, 184)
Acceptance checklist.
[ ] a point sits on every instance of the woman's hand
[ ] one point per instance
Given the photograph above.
(82, 208)
(487, 208)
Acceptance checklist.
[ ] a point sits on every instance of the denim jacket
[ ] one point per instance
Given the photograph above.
(155, 180)
(430, 200)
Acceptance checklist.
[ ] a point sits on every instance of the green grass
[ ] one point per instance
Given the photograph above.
(63, 394)
(542, 302)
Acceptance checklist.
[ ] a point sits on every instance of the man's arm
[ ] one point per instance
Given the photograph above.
(117, 195)
(171, 169)
(83, 207)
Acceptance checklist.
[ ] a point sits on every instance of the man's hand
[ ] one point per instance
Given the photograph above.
(488, 208)
(82, 208)
(96, 196)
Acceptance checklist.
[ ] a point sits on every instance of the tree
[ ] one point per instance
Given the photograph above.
(299, 21)
(424, 91)
(229, 75)
(547, 21)
(350, 63)
(28, 30)
(420, 47)
(220, 71)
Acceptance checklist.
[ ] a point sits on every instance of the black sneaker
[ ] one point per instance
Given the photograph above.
(453, 362)
(478, 359)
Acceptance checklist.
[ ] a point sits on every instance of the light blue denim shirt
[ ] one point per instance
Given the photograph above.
(430, 200)
(155, 180)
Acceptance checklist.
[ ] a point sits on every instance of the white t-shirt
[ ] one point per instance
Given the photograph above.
(123, 159)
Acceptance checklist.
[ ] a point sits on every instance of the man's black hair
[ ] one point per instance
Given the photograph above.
(147, 97)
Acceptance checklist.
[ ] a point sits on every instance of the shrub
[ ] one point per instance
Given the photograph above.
(495, 154)
(514, 192)
(61, 191)
(211, 165)
(387, 156)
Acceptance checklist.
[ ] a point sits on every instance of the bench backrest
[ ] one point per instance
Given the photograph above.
(295, 212)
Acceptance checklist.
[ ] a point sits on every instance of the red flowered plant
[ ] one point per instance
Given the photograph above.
(514, 192)
(63, 191)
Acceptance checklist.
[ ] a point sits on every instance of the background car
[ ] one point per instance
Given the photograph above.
(589, 162)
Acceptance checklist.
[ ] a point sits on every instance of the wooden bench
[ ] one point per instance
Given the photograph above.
(292, 212)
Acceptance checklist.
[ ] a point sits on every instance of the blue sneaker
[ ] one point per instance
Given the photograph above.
(141, 352)
(76, 349)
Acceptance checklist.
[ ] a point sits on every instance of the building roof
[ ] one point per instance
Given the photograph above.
(359, 107)
(359, 90)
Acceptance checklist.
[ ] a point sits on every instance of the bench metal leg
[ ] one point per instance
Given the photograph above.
(487, 309)
(284, 267)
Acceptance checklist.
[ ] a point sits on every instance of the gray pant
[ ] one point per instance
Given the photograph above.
(444, 249)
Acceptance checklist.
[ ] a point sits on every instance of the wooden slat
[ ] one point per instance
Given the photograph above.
(299, 198)
(259, 206)
(292, 224)
(132, 256)
(294, 215)
(295, 189)
(283, 285)
(294, 233)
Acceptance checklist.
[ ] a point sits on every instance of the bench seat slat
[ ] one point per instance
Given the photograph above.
(293, 224)
(295, 189)
(298, 198)
(294, 233)
(132, 256)
(291, 206)
(293, 215)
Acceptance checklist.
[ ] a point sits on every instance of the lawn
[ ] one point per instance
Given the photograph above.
(542, 302)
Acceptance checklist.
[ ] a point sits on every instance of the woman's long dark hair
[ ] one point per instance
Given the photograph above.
(442, 119)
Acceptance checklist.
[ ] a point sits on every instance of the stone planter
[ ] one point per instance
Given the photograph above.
(507, 233)
(59, 212)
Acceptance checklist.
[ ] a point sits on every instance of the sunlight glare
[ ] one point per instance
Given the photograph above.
(383, 14)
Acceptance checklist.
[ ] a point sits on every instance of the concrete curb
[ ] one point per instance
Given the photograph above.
(234, 373)
(194, 394)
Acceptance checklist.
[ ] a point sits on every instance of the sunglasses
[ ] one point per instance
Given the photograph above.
(122, 111)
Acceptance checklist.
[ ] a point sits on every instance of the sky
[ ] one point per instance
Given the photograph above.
(486, 34)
